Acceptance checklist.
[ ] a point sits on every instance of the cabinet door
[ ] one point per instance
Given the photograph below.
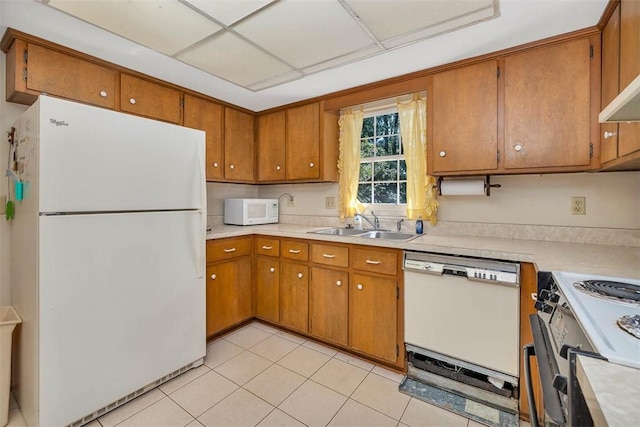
(294, 296)
(238, 145)
(228, 294)
(62, 75)
(207, 116)
(610, 69)
(629, 133)
(148, 99)
(303, 142)
(329, 305)
(373, 316)
(464, 118)
(547, 106)
(267, 279)
(271, 141)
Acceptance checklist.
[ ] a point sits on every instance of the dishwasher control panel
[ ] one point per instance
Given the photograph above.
(471, 268)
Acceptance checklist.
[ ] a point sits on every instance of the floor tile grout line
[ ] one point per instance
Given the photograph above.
(405, 409)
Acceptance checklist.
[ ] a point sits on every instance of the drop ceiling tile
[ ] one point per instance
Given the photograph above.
(275, 80)
(163, 25)
(345, 59)
(303, 33)
(391, 18)
(233, 59)
(229, 11)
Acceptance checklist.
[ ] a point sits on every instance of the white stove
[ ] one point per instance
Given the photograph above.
(598, 314)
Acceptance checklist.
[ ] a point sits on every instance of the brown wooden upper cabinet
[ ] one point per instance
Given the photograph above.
(238, 146)
(620, 142)
(33, 69)
(548, 106)
(205, 115)
(149, 99)
(462, 119)
(298, 144)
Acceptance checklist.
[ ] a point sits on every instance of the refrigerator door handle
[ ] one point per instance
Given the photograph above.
(200, 250)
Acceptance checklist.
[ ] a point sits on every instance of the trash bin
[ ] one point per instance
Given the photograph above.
(8, 320)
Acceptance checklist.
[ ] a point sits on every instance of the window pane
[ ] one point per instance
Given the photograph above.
(387, 124)
(365, 172)
(364, 193)
(403, 170)
(366, 148)
(385, 193)
(385, 171)
(387, 146)
(403, 192)
(367, 128)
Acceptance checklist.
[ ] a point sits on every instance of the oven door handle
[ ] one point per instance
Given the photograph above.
(528, 352)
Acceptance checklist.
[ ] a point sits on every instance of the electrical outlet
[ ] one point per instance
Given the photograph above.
(330, 202)
(290, 203)
(578, 206)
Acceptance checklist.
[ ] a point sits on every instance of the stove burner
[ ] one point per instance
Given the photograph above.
(616, 291)
(630, 323)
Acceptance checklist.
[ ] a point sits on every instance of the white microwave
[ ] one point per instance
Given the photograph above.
(250, 211)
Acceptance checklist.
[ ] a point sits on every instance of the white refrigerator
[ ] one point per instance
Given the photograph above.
(108, 258)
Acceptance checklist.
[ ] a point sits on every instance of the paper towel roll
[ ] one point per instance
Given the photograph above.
(462, 187)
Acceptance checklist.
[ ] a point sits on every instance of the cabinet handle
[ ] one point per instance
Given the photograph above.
(294, 251)
(215, 164)
(278, 168)
(267, 248)
(328, 255)
(517, 147)
(132, 101)
(338, 283)
(213, 277)
(359, 286)
(103, 93)
(443, 153)
(299, 275)
(232, 167)
(229, 250)
(272, 269)
(372, 262)
(608, 135)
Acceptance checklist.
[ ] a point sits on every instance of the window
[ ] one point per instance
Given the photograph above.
(383, 171)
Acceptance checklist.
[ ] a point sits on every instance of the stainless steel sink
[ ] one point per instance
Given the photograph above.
(390, 235)
(339, 231)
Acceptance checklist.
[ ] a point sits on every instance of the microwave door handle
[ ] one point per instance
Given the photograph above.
(528, 352)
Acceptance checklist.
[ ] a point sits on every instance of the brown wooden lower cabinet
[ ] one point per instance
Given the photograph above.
(294, 296)
(267, 282)
(329, 305)
(373, 316)
(228, 294)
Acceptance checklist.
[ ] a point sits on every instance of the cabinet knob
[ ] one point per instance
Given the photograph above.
(338, 283)
(103, 93)
(299, 275)
(132, 101)
(311, 165)
(232, 167)
(608, 135)
(272, 269)
(278, 168)
(517, 147)
(215, 164)
(359, 286)
(443, 153)
(213, 277)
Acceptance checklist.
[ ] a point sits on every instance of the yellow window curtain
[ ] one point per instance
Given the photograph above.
(349, 163)
(421, 191)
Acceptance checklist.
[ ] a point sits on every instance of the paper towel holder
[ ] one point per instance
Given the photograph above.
(487, 183)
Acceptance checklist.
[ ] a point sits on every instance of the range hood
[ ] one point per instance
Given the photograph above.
(625, 107)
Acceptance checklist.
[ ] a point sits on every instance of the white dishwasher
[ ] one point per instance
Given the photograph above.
(463, 311)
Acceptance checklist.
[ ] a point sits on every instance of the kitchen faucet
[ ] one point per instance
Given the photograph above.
(376, 222)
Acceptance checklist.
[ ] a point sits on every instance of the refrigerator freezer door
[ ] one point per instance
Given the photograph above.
(122, 304)
(96, 160)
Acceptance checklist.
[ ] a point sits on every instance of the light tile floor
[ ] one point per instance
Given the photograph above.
(261, 376)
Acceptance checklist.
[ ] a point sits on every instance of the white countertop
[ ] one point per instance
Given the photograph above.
(616, 261)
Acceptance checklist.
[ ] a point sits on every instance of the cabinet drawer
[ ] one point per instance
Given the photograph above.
(375, 261)
(218, 250)
(267, 246)
(295, 250)
(330, 255)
